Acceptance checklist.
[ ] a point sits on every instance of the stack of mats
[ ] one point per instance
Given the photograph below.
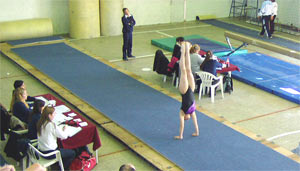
(34, 40)
(151, 115)
(270, 74)
(219, 49)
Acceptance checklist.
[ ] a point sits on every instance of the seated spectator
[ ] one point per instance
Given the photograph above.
(160, 64)
(9, 121)
(48, 133)
(127, 167)
(176, 54)
(18, 105)
(21, 84)
(210, 64)
(196, 61)
(177, 47)
(34, 117)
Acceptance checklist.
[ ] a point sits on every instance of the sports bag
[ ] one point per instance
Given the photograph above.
(84, 162)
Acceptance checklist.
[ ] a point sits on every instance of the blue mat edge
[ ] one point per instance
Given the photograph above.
(27, 41)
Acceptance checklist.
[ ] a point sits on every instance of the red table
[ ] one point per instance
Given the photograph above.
(227, 69)
(88, 134)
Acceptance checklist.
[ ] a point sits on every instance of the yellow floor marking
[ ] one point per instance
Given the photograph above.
(115, 152)
(268, 114)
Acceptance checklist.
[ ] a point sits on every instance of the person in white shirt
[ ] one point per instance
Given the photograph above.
(48, 133)
(265, 13)
(274, 14)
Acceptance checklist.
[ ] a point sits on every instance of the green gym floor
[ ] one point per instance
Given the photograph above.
(248, 107)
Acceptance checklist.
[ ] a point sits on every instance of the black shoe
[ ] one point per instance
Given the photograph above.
(125, 59)
(131, 56)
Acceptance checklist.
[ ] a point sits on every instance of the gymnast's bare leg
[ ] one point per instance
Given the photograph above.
(186, 82)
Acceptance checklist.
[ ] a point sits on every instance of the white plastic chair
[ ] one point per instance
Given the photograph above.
(174, 79)
(207, 80)
(35, 156)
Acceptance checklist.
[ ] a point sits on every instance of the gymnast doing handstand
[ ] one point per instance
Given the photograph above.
(186, 88)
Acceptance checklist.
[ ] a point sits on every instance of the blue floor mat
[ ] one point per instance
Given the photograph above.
(270, 74)
(218, 48)
(34, 40)
(252, 33)
(151, 115)
(207, 45)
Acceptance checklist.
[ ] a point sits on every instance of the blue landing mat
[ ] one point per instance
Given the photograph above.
(151, 115)
(207, 45)
(270, 74)
(252, 33)
(219, 49)
(34, 40)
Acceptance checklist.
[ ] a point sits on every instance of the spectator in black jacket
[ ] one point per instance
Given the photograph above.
(177, 47)
(20, 83)
(160, 64)
(34, 117)
(128, 23)
(18, 104)
(211, 65)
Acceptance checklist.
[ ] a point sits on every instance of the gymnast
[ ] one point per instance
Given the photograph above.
(186, 88)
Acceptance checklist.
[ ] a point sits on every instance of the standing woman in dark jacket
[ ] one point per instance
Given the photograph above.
(34, 117)
(18, 104)
(128, 23)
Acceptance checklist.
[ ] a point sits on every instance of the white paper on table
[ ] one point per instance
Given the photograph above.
(52, 102)
(59, 118)
(61, 109)
(68, 118)
(72, 114)
(77, 120)
(82, 124)
(70, 130)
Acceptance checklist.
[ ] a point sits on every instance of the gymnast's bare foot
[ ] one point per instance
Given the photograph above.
(196, 134)
(178, 137)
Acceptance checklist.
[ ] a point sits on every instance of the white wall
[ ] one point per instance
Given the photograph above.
(57, 10)
(288, 11)
(219, 8)
(146, 12)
